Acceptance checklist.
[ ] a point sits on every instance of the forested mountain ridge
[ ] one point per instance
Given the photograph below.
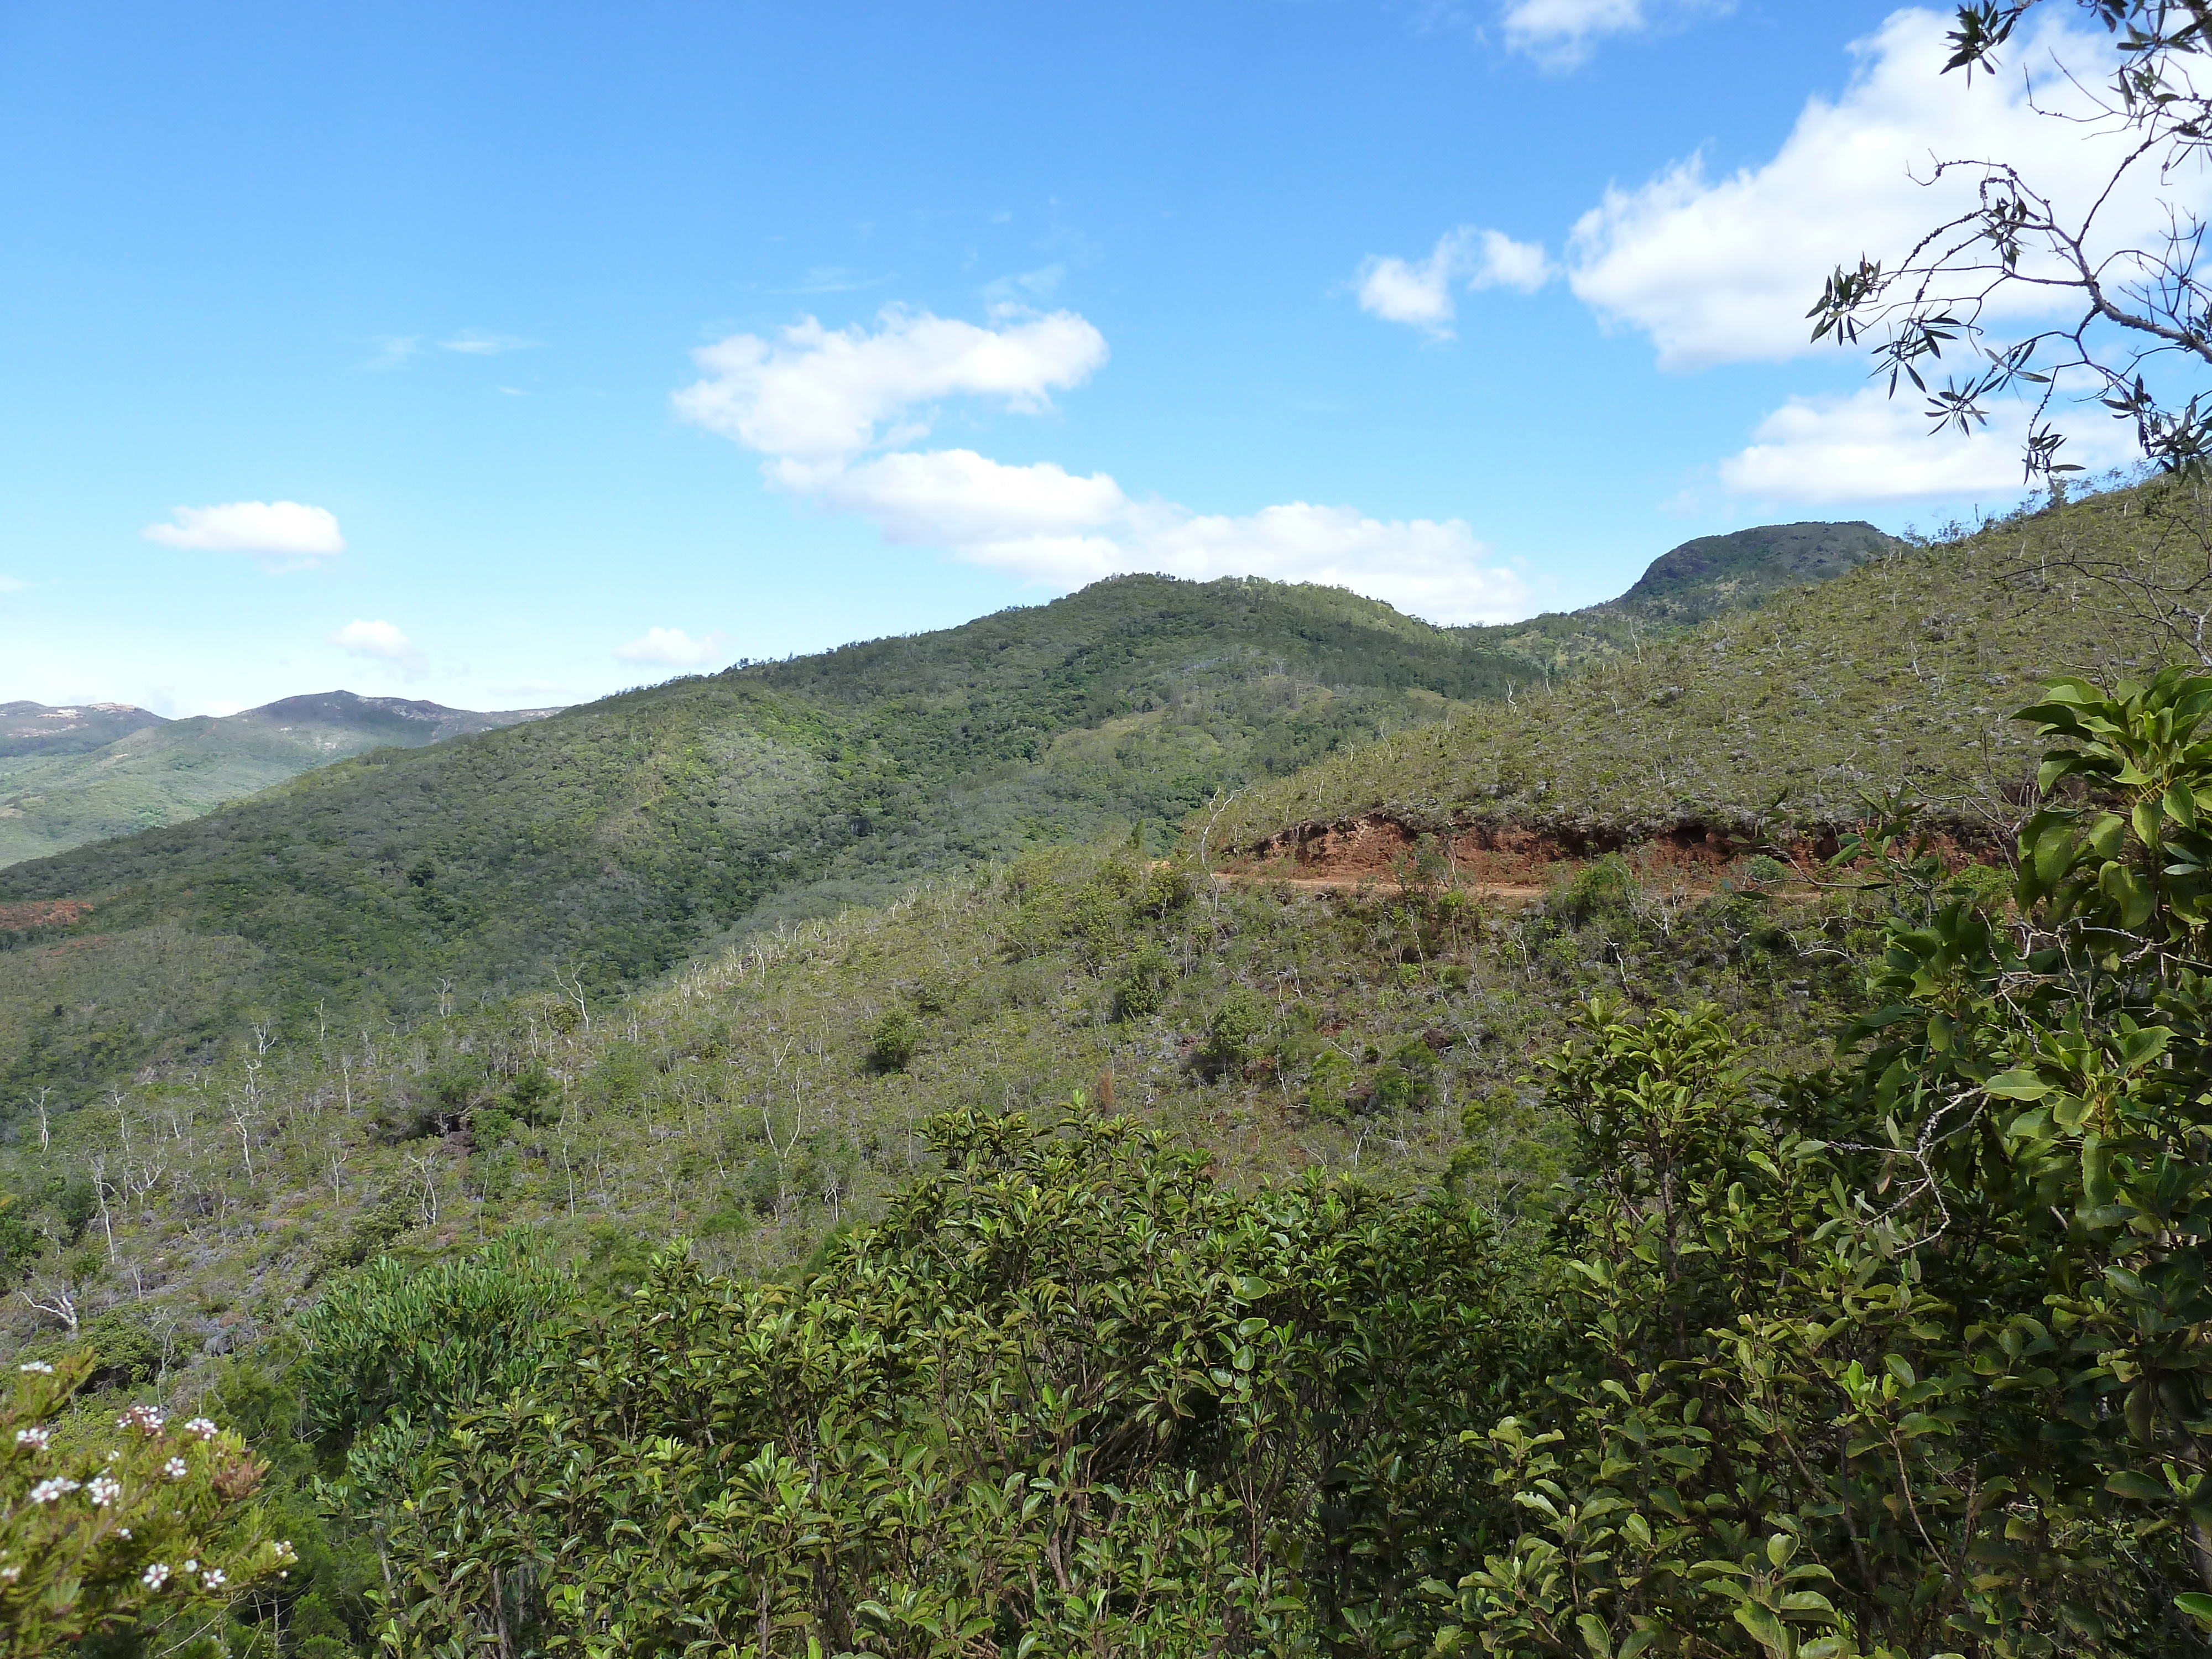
(39, 728)
(68, 777)
(1739, 570)
(615, 840)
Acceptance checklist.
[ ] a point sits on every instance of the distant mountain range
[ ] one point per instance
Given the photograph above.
(622, 836)
(73, 774)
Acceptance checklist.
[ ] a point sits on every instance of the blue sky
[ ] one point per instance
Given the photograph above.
(507, 355)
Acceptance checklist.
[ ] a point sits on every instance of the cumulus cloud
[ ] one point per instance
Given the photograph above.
(1870, 447)
(1558, 30)
(1046, 525)
(814, 397)
(1722, 270)
(1560, 33)
(670, 648)
(379, 641)
(271, 528)
(829, 413)
(1420, 293)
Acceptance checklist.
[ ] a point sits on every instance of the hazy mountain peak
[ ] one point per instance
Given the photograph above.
(1742, 569)
(38, 728)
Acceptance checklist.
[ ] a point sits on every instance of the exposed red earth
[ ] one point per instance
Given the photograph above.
(43, 912)
(1510, 862)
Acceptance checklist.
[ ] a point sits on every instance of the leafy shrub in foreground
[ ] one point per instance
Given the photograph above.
(1910, 1360)
(1069, 1395)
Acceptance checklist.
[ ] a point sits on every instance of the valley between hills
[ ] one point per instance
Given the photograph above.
(1406, 1071)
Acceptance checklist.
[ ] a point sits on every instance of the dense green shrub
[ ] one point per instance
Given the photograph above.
(1909, 1358)
(1071, 1393)
(893, 1041)
(1234, 1032)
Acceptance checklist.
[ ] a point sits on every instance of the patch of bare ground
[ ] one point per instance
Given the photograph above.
(1512, 863)
(42, 913)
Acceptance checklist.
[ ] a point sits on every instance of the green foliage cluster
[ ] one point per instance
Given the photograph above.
(1069, 1395)
(741, 1103)
(1900, 1357)
(141, 1526)
(1907, 1358)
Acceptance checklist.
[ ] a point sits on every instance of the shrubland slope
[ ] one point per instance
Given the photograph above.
(1391, 1393)
(616, 840)
(1899, 674)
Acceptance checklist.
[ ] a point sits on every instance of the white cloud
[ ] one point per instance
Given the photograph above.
(817, 403)
(475, 343)
(12, 584)
(1565, 30)
(1560, 33)
(380, 642)
(1723, 270)
(1870, 447)
(1046, 525)
(672, 647)
(1420, 294)
(264, 527)
(814, 398)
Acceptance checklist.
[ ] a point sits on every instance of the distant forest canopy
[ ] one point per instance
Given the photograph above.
(614, 841)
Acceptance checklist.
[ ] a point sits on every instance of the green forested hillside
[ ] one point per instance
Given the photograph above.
(38, 728)
(1900, 674)
(1805, 1260)
(1407, 1281)
(61, 791)
(614, 841)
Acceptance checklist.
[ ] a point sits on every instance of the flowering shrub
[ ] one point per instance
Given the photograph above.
(101, 1526)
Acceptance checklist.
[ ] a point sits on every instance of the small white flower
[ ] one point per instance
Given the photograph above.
(36, 1439)
(123, 1532)
(191, 1566)
(144, 1418)
(10, 1574)
(176, 1469)
(156, 1575)
(201, 1426)
(46, 1491)
(38, 1366)
(214, 1578)
(103, 1491)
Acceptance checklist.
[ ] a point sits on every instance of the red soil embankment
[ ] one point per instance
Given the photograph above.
(1511, 861)
(42, 913)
